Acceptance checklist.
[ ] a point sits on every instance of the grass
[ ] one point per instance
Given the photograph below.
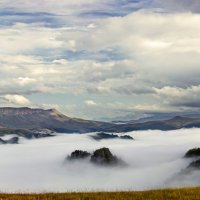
(171, 194)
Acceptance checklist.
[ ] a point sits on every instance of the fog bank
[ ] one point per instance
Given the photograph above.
(154, 160)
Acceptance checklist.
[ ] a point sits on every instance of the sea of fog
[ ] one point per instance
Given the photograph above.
(154, 160)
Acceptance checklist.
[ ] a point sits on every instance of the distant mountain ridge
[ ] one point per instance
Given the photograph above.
(174, 123)
(28, 118)
(51, 119)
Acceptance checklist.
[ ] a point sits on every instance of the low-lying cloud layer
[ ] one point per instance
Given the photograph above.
(154, 159)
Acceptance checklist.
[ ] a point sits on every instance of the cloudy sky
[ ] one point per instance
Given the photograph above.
(100, 59)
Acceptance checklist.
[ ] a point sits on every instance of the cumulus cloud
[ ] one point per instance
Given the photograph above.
(136, 55)
(16, 100)
(21, 38)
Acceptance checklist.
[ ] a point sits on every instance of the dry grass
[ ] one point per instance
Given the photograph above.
(180, 194)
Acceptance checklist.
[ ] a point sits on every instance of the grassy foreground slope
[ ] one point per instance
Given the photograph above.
(181, 194)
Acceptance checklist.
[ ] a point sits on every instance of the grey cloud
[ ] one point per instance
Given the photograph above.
(180, 5)
(192, 104)
(131, 89)
(116, 71)
(54, 14)
(183, 99)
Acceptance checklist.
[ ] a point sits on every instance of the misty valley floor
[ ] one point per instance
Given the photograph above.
(154, 160)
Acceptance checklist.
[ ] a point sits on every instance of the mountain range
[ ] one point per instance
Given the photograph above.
(36, 119)
(39, 119)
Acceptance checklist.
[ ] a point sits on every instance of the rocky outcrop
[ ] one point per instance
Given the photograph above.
(28, 134)
(126, 137)
(192, 153)
(35, 135)
(2, 141)
(103, 156)
(14, 140)
(102, 135)
(192, 156)
(78, 154)
(195, 164)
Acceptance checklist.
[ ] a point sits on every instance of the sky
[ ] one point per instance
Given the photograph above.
(101, 59)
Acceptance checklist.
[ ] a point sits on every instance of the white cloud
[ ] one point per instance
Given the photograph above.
(51, 106)
(25, 81)
(90, 103)
(16, 100)
(24, 38)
